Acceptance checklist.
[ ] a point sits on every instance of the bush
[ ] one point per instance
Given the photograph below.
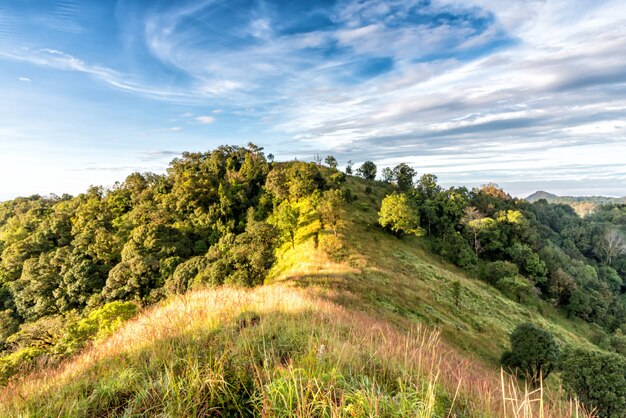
(534, 352)
(516, 288)
(492, 272)
(14, 362)
(598, 380)
(99, 324)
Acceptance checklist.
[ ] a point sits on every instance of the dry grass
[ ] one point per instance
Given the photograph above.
(341, 363)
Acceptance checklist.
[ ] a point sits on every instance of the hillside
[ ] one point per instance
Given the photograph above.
(293, 289)
(355, 324)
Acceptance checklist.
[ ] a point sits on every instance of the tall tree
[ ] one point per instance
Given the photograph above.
(367, 170)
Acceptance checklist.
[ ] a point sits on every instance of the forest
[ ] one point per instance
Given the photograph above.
(72, 268)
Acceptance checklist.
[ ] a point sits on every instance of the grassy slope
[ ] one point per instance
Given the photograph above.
(338, 334)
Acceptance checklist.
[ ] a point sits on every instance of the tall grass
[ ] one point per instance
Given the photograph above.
(271, 351)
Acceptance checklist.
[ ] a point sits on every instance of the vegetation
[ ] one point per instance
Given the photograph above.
(474, 264)
(598, 379)
(534, 352)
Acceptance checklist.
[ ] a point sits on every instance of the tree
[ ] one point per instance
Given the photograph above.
(403, 175)
(387, 175)
(528, 261)
(349, 167)
(331, 162)
(473, 219)
(399, 216)
(611, 246)
(330, 208)
(427, 186)
(534, 352)
(286, 220)
(277, 184)
(561, 285)
(598, 379)
(367, 170)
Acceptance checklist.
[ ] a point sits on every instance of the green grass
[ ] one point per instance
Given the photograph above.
(399, 281)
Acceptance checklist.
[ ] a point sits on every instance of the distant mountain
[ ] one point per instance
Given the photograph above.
(583, 205)
(541, 195)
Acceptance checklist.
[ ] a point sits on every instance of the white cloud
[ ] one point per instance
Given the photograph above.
(205, 119)
(24, 79)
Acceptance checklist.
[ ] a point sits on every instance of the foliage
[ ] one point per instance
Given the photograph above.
(598, 380)
(399, 216)
(286, 220)
(497, 270)
(330, 208)
(403, 176)
(534, 352)
(367, 170)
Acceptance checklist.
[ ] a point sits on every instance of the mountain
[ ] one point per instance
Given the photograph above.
(583, 205)
(542, 195)
(235, 287)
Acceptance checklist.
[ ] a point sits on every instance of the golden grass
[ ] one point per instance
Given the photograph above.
(353, 343)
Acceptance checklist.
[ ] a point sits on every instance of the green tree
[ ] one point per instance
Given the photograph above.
(330, 208)
(331, 162)
(398, 215)
(349, 167)
(598, 379)
(534, 352)
(277, 184)
(367, 170)
(403, 175)
(387, 175)
(286, 218)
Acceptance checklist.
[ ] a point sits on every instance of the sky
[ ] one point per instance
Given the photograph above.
(528, 94)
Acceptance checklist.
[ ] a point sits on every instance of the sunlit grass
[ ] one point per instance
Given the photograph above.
(271, 351)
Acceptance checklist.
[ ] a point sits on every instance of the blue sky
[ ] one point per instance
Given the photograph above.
(528, 94)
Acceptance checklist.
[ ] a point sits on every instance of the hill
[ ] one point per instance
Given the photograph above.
(271, 289)
(583, 205)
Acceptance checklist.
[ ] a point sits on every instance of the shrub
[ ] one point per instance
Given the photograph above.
(99, 324)
(516, 288)
(534, 352)
(12, 363)
(598, 379)
(492, 272)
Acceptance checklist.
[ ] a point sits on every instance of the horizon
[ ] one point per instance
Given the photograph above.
(527, 95)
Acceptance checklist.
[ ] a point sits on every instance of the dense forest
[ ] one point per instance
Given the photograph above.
(72, 268)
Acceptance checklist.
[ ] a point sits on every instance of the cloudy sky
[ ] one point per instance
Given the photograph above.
(528, 94)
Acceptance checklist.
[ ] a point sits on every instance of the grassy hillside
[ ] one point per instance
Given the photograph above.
(361, 324)
(400, 281)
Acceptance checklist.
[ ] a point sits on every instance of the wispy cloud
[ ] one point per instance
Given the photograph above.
(24, 79)
(205, 119)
